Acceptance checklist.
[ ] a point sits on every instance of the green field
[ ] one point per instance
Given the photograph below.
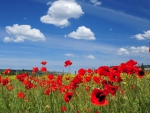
(122, 89)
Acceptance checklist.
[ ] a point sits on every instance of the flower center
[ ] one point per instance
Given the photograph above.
(69, 97)
(141, 73)
(100, 97)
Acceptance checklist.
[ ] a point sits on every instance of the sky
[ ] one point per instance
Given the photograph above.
(89, 33)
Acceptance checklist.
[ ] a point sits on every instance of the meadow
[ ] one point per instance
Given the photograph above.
(118, 89)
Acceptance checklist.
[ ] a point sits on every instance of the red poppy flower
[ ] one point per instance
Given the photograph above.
(35, 69)
(111, 89)
(7, 71)
(87, 78)
(50, 76)
(75, 82)
(103, 71)
(131, 62)
(104, 82)
(43, 69)
(97, 79)
(114, 69)
(149, 50)
(98, 97)
(28, 85)
(47, 92)
(81, 71)
(10, 87)
(5, 81)
(140, 73)
(67, 63)
(63, 108)
(89, 70)
(43, 62)
(115, 77)
(21, 95)
(68, 96)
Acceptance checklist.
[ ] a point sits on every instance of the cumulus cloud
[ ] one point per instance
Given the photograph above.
(19, 33)
(142, 49)
(122, 51)
(60, 11)
(69, 55)
(133, 50)
(96, 2)
(82, 33)
(90, 57)
(144, 36)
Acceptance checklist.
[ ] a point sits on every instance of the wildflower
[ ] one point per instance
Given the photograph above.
(68, 96)
(10, 87)
(67, 63)
(103, 70)
(140, 73)
(5, 81)
(115, 77)
(81, 71)
(43, 62)
(7, 71)
(97, 79)
(47, 92)
(111, 89)
(89, 70)
(43, 69)
(21, 95)
(63, 108)
(35, 70)
(87, 78)
(98, 97)
(50, 76)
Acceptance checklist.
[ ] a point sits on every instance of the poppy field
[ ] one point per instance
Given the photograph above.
(118, 89)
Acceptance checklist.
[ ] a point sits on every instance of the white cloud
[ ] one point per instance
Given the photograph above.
(133, 50)
(82, 33)
(96, 2)
(60, 11)
(69, 55)
(122, 51)
(142, 49)
(144, 36)
(20, 33)
(90, 56)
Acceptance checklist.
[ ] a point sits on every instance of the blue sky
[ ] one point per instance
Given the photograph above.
(90, 33)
